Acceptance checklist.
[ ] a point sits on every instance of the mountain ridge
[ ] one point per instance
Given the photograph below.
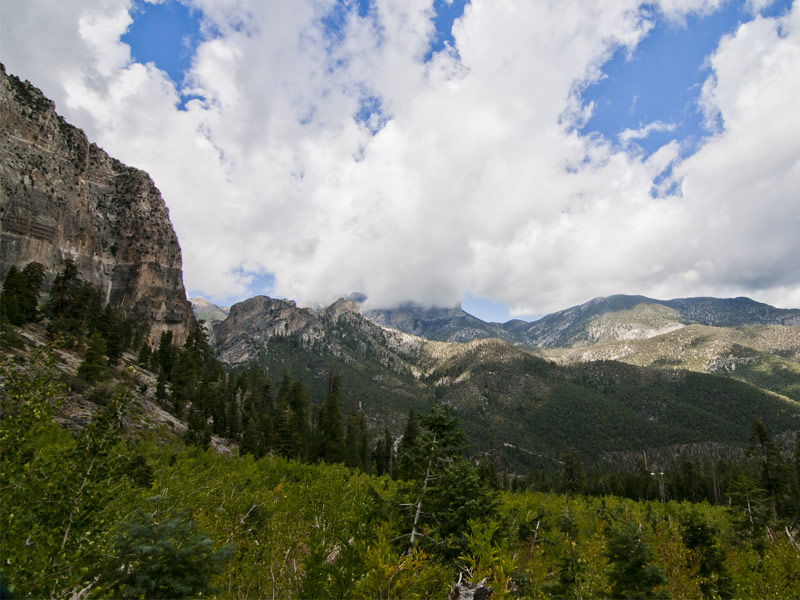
(516, 403)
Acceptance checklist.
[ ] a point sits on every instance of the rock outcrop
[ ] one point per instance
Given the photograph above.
(338, 329)
(64, 198)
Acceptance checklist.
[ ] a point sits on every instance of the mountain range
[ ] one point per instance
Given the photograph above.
(635, 365)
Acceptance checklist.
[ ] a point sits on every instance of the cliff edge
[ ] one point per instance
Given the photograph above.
(64, 198)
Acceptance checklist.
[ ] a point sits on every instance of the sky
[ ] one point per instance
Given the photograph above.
(517, 157)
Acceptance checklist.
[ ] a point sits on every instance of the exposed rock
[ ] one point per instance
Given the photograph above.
(435, 323)
(601, 320)
(339, 329)
(64, 198)
(207, 311)
(466, 590)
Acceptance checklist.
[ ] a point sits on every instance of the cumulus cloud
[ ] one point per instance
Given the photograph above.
(471, 177)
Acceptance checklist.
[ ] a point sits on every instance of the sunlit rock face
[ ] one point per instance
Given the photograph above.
(64, 198)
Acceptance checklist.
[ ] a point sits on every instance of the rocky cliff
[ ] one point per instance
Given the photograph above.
(338, 329)
(64, 198)
(435, 323)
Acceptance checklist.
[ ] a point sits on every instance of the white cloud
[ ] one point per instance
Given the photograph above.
(638, 134)
(477, 182)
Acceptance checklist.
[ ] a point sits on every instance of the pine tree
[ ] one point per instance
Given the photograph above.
(712, 573)
(163, 556)
(356, 439)
(330, 431)
(573, 472)
(447, 490)
(299, 403)
(61, 288)
(108, 326)
(632, 575)
(383, 454)
(197, 432)
(165, 355)
(11, 299)
(20, 295)
(406, 469)
(34, 277)
(772, 471)
(144, 356)
(570, 567)
(94, 363)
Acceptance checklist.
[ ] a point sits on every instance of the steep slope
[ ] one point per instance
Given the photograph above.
(525, 411)
(64, 198)
(433, 323)
(615, 317)
(766, 356)
(378, 366)
(732, 312)
(207, 311)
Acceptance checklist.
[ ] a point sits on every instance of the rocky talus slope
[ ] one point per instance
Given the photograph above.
(64, 198)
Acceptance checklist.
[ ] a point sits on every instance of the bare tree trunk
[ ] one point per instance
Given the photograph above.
(418, 512)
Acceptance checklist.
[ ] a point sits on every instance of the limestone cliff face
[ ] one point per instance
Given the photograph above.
(338, 329)
(62, 197)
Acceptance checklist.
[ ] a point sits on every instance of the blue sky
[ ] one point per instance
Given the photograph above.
(446, 152)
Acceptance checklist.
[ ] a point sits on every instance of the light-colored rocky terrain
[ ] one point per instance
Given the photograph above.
(64, 198)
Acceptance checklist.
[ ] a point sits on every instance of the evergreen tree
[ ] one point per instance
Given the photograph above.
(94, 363)
(233, 418)
(383, 454)
(772, 471)
(712, 573)
(163, 556)
(447, 490)
(61, 290)
(20, 295)
(109, 328)
(796, 479)
(11, 299)
(197, 431)
(144, 356)
(165, 354)
(632, 574)
(356, 439)
(289, 442)
(406, 455)
(570, 567)
(330, 431)
(252, 439)
(389, 458)
(299, 402)
(573, 472)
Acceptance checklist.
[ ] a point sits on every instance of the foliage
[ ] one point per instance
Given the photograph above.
(162, 554)
(20, 295)
(447, 490)
(632, 574)
(486, 559)
(57, 491)
(94, 362)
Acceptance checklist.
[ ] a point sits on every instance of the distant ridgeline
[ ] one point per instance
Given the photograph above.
(518, 408)
(64, 198)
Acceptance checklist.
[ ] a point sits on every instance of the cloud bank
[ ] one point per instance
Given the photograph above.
(339, 159)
